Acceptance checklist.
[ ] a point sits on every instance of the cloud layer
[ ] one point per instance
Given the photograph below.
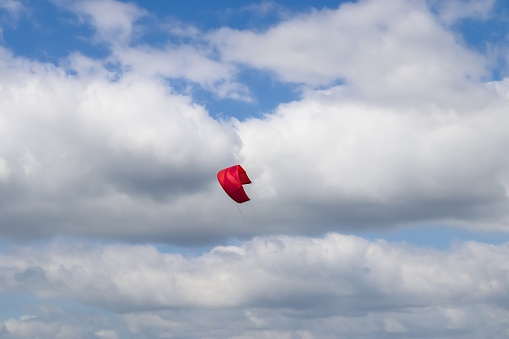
(275, 286)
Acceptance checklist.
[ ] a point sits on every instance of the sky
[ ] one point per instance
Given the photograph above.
(375, 133)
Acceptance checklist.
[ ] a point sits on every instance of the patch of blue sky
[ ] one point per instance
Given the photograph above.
(488, 36)
(266, 91)
(210, 15)
(159, 33)
(15, 305)
(193, 251)
(47, 33)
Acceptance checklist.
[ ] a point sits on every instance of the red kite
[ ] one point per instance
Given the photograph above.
(231, 180)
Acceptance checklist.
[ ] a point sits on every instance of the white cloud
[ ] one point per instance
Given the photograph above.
(428, 322)
(390, 48)
(106, 334)
(292, 285)
(75, 143)
(396, 142)
(344, 157)
(114, 21)
(191, 64)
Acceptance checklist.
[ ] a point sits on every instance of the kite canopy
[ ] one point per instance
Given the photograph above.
(231, 180)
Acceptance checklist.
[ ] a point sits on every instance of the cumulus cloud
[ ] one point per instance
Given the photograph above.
(108, 147)
(396, 141)
(359, 163)
(114, 21)
(385, 48)
(117, 25)
(74, 143)
(292, 285)
(193, 65)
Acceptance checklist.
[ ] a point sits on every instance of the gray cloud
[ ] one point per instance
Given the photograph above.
(277, 285)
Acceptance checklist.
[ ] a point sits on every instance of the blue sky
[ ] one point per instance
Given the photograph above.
(375, 134)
